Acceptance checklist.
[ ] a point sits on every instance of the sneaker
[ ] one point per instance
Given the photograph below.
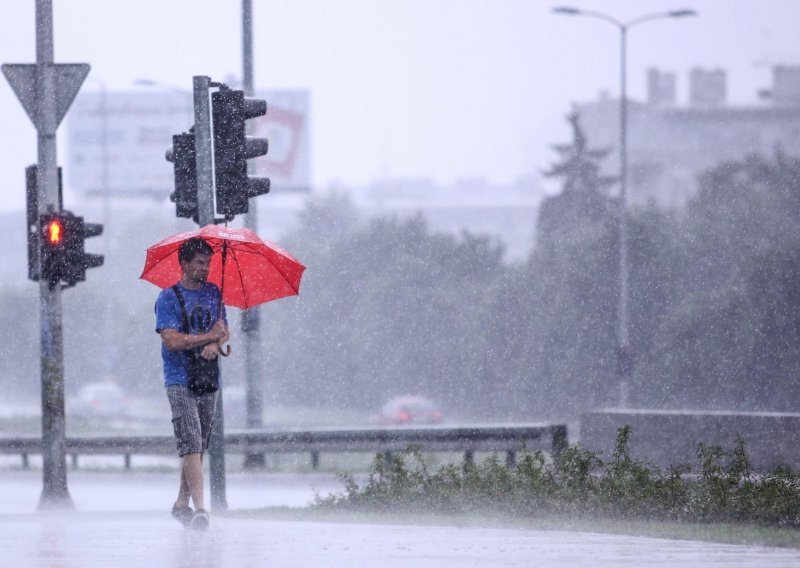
(199, 520)
(182, 514)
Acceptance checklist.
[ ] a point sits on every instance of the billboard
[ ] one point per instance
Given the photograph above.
(116, 141)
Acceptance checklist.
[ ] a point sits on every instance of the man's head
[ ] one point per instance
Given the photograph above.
(194, 256)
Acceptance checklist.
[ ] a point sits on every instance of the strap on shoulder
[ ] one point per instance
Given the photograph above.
(184, 315)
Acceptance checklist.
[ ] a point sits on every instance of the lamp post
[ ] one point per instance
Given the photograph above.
(625, 357)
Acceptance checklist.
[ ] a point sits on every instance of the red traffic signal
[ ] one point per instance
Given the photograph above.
(64, 259)
(54, 232)
(54, 256)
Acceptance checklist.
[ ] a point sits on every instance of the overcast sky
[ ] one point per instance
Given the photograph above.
(402, 88)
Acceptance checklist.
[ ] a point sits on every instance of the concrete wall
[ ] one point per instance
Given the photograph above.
(665, 438)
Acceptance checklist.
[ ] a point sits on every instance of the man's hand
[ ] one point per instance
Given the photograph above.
(175, 340)
(210, 351)
(219, 331)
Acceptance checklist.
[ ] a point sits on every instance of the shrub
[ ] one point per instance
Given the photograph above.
(580, 483)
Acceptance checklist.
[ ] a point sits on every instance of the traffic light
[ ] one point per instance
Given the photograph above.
(53, 247)
(79, 259)
(184, 159)
(232, 149)
(32, 202)
(64, 258)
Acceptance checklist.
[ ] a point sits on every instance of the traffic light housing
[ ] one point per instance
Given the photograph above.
(32, 210)
(64, 259)
(53, 247)
(79, 259)
(184, 159)
(232, 149)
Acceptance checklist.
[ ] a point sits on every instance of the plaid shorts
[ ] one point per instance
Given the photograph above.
(192, 418)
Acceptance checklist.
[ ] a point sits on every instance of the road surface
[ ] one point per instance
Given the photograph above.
(122, 520)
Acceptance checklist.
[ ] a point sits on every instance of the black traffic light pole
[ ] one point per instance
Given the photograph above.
(211, 179)
(205, 216)
(54, 468)
(46, 90)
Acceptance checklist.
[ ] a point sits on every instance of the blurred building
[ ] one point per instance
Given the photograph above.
(115, 150)
(669, 144)
(116, 141)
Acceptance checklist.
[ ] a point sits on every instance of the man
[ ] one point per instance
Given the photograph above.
(196, 328)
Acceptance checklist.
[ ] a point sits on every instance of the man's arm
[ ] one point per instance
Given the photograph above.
(174, 340)
(213, 349)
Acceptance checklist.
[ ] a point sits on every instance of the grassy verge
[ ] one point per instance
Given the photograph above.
(725, 501)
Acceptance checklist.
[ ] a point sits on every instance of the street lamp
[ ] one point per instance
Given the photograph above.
(624, 355)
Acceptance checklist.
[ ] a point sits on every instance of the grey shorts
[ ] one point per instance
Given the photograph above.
(192, 418)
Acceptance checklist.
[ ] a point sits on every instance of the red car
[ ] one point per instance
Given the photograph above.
(410, 410)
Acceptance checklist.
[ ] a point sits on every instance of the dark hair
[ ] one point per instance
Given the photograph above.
(191, 247)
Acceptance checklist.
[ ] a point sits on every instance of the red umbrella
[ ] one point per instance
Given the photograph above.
(248, 270)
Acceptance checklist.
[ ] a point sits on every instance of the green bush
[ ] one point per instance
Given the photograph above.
(580, 483)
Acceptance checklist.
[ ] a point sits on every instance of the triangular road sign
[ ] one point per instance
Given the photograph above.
(69, 78)
(23, 79)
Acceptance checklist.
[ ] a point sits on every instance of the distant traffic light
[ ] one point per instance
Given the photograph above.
(53, 248)
(232, 149)
(64, 258)
(32, 208)
(184, 159)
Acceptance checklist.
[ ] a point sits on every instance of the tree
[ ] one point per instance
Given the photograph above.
(388, 307)
(730, 337)
(583, 195)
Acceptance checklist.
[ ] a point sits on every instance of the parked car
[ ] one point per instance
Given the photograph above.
(410, 410)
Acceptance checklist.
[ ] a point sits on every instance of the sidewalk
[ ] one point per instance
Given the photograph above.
(125, 491)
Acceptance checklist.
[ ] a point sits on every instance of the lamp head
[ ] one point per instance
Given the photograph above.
(682, 13)
(566, 10)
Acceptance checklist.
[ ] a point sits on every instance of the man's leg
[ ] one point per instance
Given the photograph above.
(183, 492)
(192, 478)
(193, 464)
(186, 423)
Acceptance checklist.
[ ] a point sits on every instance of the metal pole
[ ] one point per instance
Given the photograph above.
(205, 216)
(54, 465)
(624, 354)
(111, 348)
(251, 318)
(105, 166)
(202, 140)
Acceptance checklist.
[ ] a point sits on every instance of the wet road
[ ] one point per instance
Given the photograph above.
(123, 521)
(123, 540)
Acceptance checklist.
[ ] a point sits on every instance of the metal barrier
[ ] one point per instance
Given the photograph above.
(510, 439)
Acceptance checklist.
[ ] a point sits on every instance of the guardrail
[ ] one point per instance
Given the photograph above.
(666, 438)
(467, 439)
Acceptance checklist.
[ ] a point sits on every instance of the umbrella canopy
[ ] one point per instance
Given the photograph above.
(254, 271)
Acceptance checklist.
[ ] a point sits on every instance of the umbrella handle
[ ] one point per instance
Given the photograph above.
(226, 351)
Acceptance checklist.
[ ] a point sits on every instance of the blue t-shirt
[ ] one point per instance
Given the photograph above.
(202, 308)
